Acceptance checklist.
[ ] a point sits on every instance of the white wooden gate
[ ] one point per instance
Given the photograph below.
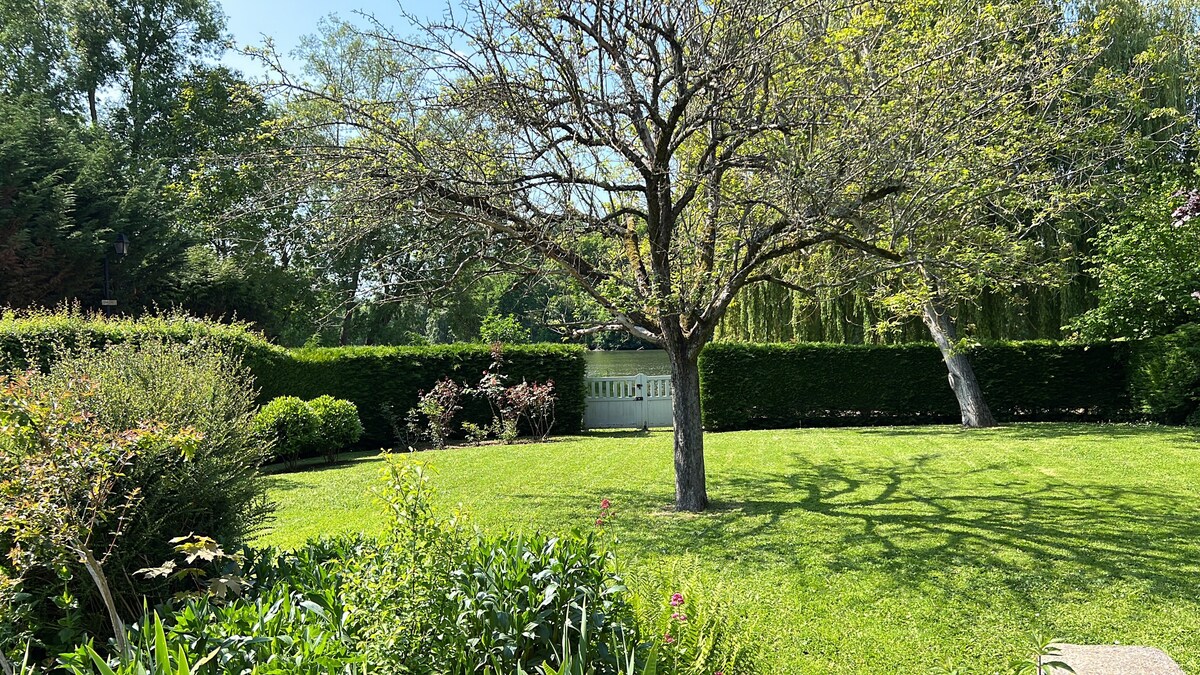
(631, 401)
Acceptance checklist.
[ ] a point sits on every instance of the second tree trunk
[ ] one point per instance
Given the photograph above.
(975, 411)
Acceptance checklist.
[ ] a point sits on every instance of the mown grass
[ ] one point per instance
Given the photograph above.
(873, 551)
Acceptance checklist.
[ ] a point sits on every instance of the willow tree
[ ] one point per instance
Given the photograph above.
(667, 155)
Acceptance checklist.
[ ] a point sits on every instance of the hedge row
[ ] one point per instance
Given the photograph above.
(745, 386)
(384, 381)
(32, 338)
(376, 379)
(1165, 376)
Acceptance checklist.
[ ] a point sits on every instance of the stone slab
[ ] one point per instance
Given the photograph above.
(1117, 660)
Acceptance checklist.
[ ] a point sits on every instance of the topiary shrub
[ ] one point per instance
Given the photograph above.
(338, 425)
(291, 427)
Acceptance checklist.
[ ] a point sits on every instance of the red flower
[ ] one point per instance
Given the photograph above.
(668, 639)
(604, 504)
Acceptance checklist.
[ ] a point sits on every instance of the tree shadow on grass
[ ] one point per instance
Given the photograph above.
(1015, 526)
(1036, 431)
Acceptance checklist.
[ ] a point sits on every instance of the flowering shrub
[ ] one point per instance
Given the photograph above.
(533, 403)
(530, 403)
(437, 408)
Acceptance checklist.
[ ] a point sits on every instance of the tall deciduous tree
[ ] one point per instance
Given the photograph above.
(668, 155)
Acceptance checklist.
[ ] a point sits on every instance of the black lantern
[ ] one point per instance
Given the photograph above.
(121, 246)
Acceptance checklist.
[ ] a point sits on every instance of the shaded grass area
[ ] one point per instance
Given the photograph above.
(862, 550)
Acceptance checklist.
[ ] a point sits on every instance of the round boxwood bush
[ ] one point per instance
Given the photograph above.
(290, 425)
(338, 425)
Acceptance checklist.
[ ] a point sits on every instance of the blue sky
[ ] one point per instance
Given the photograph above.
(287, 20)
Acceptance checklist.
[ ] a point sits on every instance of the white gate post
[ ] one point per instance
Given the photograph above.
(640, 384)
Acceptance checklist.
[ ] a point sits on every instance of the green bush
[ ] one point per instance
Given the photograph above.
(384, 381)
(218, 491)
(746, 386)
(1165, 375)
(172, 390)
(290, 426)
(338, 425)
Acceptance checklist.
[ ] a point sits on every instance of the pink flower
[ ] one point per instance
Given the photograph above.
(679, 616)
(604, 504)
(718, 673)
(599, 522)
(668, 639)
(676, 599)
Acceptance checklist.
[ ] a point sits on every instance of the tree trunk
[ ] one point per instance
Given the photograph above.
(96, 571)
(93, 113)
(975, 412)
(690, 491)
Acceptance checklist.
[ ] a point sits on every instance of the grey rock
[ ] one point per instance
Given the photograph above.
(1116, 660)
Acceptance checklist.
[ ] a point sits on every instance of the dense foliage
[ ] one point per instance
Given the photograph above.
(214, 490)
(204, 480)
(38, 338)
(1165, 375)
(768, 386)
(297, 429)
(338, 425)
(289, 427)
(430, 596)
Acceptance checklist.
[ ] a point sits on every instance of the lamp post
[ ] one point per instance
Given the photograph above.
(121, 247)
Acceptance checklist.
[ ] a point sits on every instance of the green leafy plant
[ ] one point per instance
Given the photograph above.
(290, 425)
(1165, 375)
(338, 425)
(690, 619)
(504, 329)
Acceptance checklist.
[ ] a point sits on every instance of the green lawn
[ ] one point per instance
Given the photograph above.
(863, 550)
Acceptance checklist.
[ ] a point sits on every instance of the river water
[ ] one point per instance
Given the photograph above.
(627, 362)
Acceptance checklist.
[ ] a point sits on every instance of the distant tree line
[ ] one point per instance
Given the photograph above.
(115, 117)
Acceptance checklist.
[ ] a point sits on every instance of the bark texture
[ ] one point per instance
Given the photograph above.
(691, 493)
(975, 411)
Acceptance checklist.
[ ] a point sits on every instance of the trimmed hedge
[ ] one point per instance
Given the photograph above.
(370, 377)
(377, 379)
(747, 386)
(1165, 376)
(32, 338)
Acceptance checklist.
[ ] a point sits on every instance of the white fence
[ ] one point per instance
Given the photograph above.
(632, 401)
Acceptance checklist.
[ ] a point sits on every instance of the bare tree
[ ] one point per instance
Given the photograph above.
(665, 155)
